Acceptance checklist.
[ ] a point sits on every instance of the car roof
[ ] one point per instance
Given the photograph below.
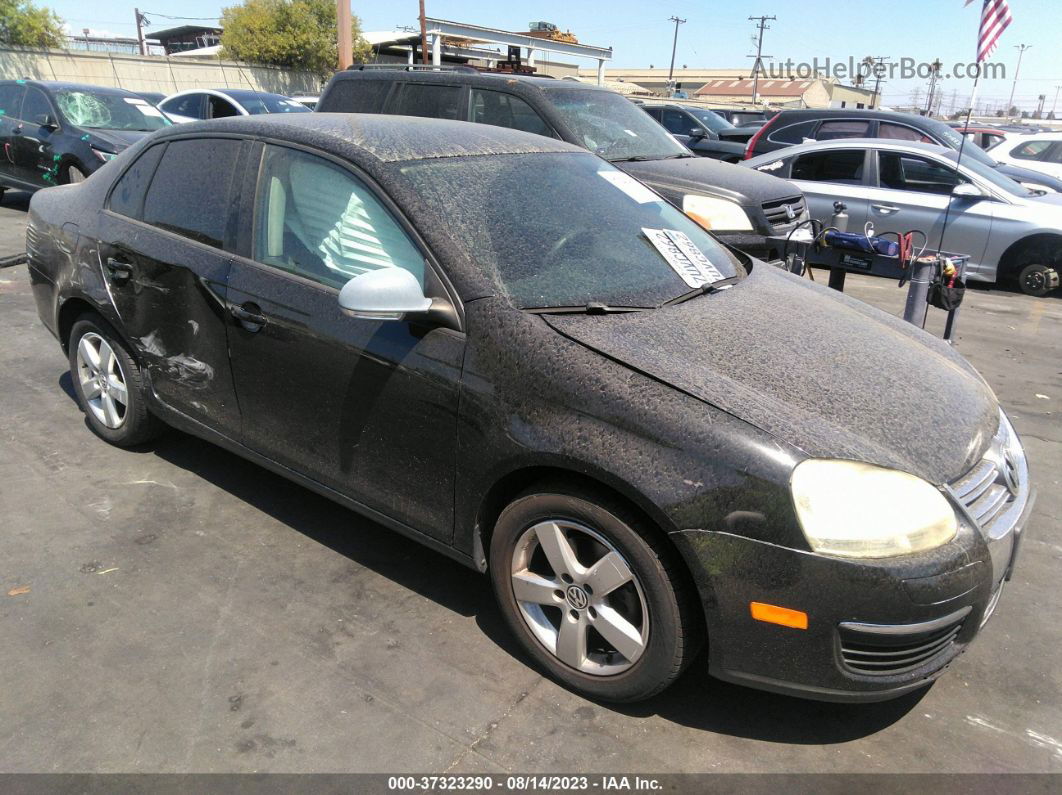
(362, 137)
(233, 93)
(470, 76)
(62, 85)
(852, 143)
(857, 113)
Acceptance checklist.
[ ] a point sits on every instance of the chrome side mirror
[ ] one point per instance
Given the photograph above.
(967, 190)
(383, 294)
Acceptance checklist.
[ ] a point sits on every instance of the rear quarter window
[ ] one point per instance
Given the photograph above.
(127, 196)
(793, 133)
(355, 96)
(434, 101)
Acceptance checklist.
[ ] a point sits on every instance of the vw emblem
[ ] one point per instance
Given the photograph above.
(790, 213)
(577, 597)
(1010, 475)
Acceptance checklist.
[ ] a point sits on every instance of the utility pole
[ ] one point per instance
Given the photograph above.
(876, 64)
(423, 35)
(674, 45)
(761, 23)
(934, 74)
(1040, 109)
(1021, 48)
(140, 22)
(343, 24)
(1054, 105)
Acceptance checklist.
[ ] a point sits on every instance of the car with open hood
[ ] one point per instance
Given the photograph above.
(52, 133)
(648, 440)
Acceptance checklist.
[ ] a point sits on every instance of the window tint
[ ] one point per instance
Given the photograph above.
(654, 112)
(317, 220)
(1055, 155)
(35, 104)
(794, 133)
(355, 96)
(190, 194)
(908, 172)
(844, 166)
(221, 108)
(901, 132)
(831, 130)
(677, 122)
(11, 99)
(189, 105)
(1033, 150)
(506, 110)
(432, 101)
(127, 197)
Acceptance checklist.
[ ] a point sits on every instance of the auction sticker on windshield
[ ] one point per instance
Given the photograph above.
(630, 186)
(681, 254)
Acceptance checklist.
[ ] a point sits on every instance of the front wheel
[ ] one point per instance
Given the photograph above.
(596, 600)
(1037, 280)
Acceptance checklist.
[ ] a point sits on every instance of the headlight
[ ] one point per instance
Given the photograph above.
(855, 510)
(104, 156)
(719, 215)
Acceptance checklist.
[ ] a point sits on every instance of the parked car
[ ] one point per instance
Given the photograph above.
(741, 212)
(308, 101)
(644, 437)
(984, 137)
(1011, 234)
(701, 131)
(743, 118)
(154, 97)
(208, 103)
(1040, 151)
(52, 133)
(798, 126)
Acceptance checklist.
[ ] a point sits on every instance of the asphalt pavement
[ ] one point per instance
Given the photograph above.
(180, 609)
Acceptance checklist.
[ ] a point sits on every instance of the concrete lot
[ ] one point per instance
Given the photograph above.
(189, 611)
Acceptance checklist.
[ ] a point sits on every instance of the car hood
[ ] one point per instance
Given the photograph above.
(1028, 175)
(711, 177)
(116, 139)
(825, 373)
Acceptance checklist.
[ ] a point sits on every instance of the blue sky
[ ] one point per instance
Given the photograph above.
(718, 34)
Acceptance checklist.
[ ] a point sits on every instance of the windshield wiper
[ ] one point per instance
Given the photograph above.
(589, 308)
(713, 287)
(641, 158)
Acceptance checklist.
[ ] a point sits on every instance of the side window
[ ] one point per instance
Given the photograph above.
(908, 172)
(793, 133)
(901, 132)
(1033, 150)
(506, 110)
(35, 104)
(844, 166)
(127, 196)
(356, 96)
(188, 105)
(1055, 155)
(992, 140)
(220, 108)
(677, 123)
(831, 130)
(432, 101)
(190, 193)
(317, 220)
(11, 99)
(654, 112)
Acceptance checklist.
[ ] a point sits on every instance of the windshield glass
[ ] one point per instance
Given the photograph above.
(561, 229)
(109, 111)
(613, 127)
(256, 104)
(990, 174)
(713, 121)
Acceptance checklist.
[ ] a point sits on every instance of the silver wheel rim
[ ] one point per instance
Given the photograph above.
(102, 381)
(579, 597)
(75, 174)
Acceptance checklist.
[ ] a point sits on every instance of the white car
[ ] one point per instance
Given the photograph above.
(1012, 234)
(1039, 151)
(208, 103)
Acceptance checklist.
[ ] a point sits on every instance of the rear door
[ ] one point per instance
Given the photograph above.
(833, 175)
(164, 249)
(365, 407)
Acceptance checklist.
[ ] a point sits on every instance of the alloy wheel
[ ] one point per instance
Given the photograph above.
(103, 383)
(579, 597)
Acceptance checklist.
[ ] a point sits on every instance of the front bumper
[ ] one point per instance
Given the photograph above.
(876, 629)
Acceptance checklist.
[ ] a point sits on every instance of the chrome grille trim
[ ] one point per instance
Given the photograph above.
(776, 213)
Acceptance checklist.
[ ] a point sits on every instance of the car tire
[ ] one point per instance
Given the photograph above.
(75, 175)
(1037, 280)
(109, 385)
(652, 616)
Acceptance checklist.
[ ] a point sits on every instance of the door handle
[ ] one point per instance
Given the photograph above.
(249, 315)
(888, 209)
(118, 271)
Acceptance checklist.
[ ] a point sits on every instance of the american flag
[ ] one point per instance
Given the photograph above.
(995, 17)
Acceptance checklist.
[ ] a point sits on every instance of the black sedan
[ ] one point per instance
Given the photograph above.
(54, 133)
(648, 440)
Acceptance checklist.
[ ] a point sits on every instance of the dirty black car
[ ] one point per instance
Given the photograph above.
(53, 133)
(648, 441)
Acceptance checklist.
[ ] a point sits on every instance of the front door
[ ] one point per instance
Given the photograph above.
(11, 95)
(366, 407)
(33, 150)
(163, 249)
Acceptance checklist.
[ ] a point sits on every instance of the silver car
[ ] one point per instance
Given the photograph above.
(1012, 234)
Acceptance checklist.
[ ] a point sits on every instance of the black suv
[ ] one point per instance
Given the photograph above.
(792, 127)
(53, 133)
(742, 208)
(705, 132)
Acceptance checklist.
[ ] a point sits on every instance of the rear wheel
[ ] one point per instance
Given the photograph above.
(108, 384)
(596, 600)
(1037, 280)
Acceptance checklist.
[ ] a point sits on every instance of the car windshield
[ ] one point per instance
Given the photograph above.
(109, 111)
(613, 127)
(990, 174)
(713, 121)
(561, 229)
(256, 104)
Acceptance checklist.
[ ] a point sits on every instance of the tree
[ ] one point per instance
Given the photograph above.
(23, 23)
(297, 33)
